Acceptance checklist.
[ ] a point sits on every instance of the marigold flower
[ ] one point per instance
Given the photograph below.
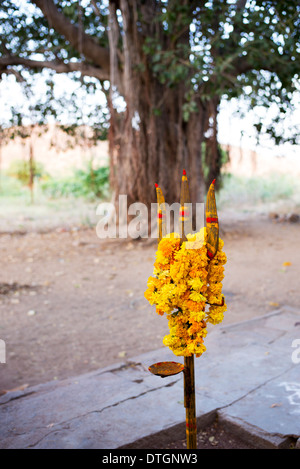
(185, 279)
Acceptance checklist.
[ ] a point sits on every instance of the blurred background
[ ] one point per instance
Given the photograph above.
(102, 98)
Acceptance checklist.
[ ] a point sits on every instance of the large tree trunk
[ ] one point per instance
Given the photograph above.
(150, 142)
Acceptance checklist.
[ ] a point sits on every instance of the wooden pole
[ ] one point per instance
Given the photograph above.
(190, 402)
(31, 169)
(189, 369)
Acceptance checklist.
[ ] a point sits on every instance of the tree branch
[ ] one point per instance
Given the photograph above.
(241, 65)
(77, 37)
(58, 67)
(239, 9)
(240, 5)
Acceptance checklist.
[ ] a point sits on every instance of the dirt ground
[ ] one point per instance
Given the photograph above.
(71, 303)
(214, 436)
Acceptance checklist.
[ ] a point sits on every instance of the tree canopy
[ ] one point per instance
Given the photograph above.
(155, 52)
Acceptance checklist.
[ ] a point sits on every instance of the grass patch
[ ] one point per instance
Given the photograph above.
(243, 192)
(88, 183)
(90, 186)
(11, 187)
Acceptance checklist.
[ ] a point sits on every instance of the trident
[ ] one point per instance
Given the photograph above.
(164, 369)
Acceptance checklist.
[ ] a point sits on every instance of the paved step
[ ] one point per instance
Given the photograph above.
(247, 377)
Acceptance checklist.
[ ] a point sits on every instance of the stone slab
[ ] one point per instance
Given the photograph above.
(247, 377)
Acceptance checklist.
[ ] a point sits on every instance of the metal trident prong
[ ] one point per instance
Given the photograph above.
(161, 213)
(212, 222)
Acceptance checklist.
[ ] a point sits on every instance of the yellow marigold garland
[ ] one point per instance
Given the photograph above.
(184, 281)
